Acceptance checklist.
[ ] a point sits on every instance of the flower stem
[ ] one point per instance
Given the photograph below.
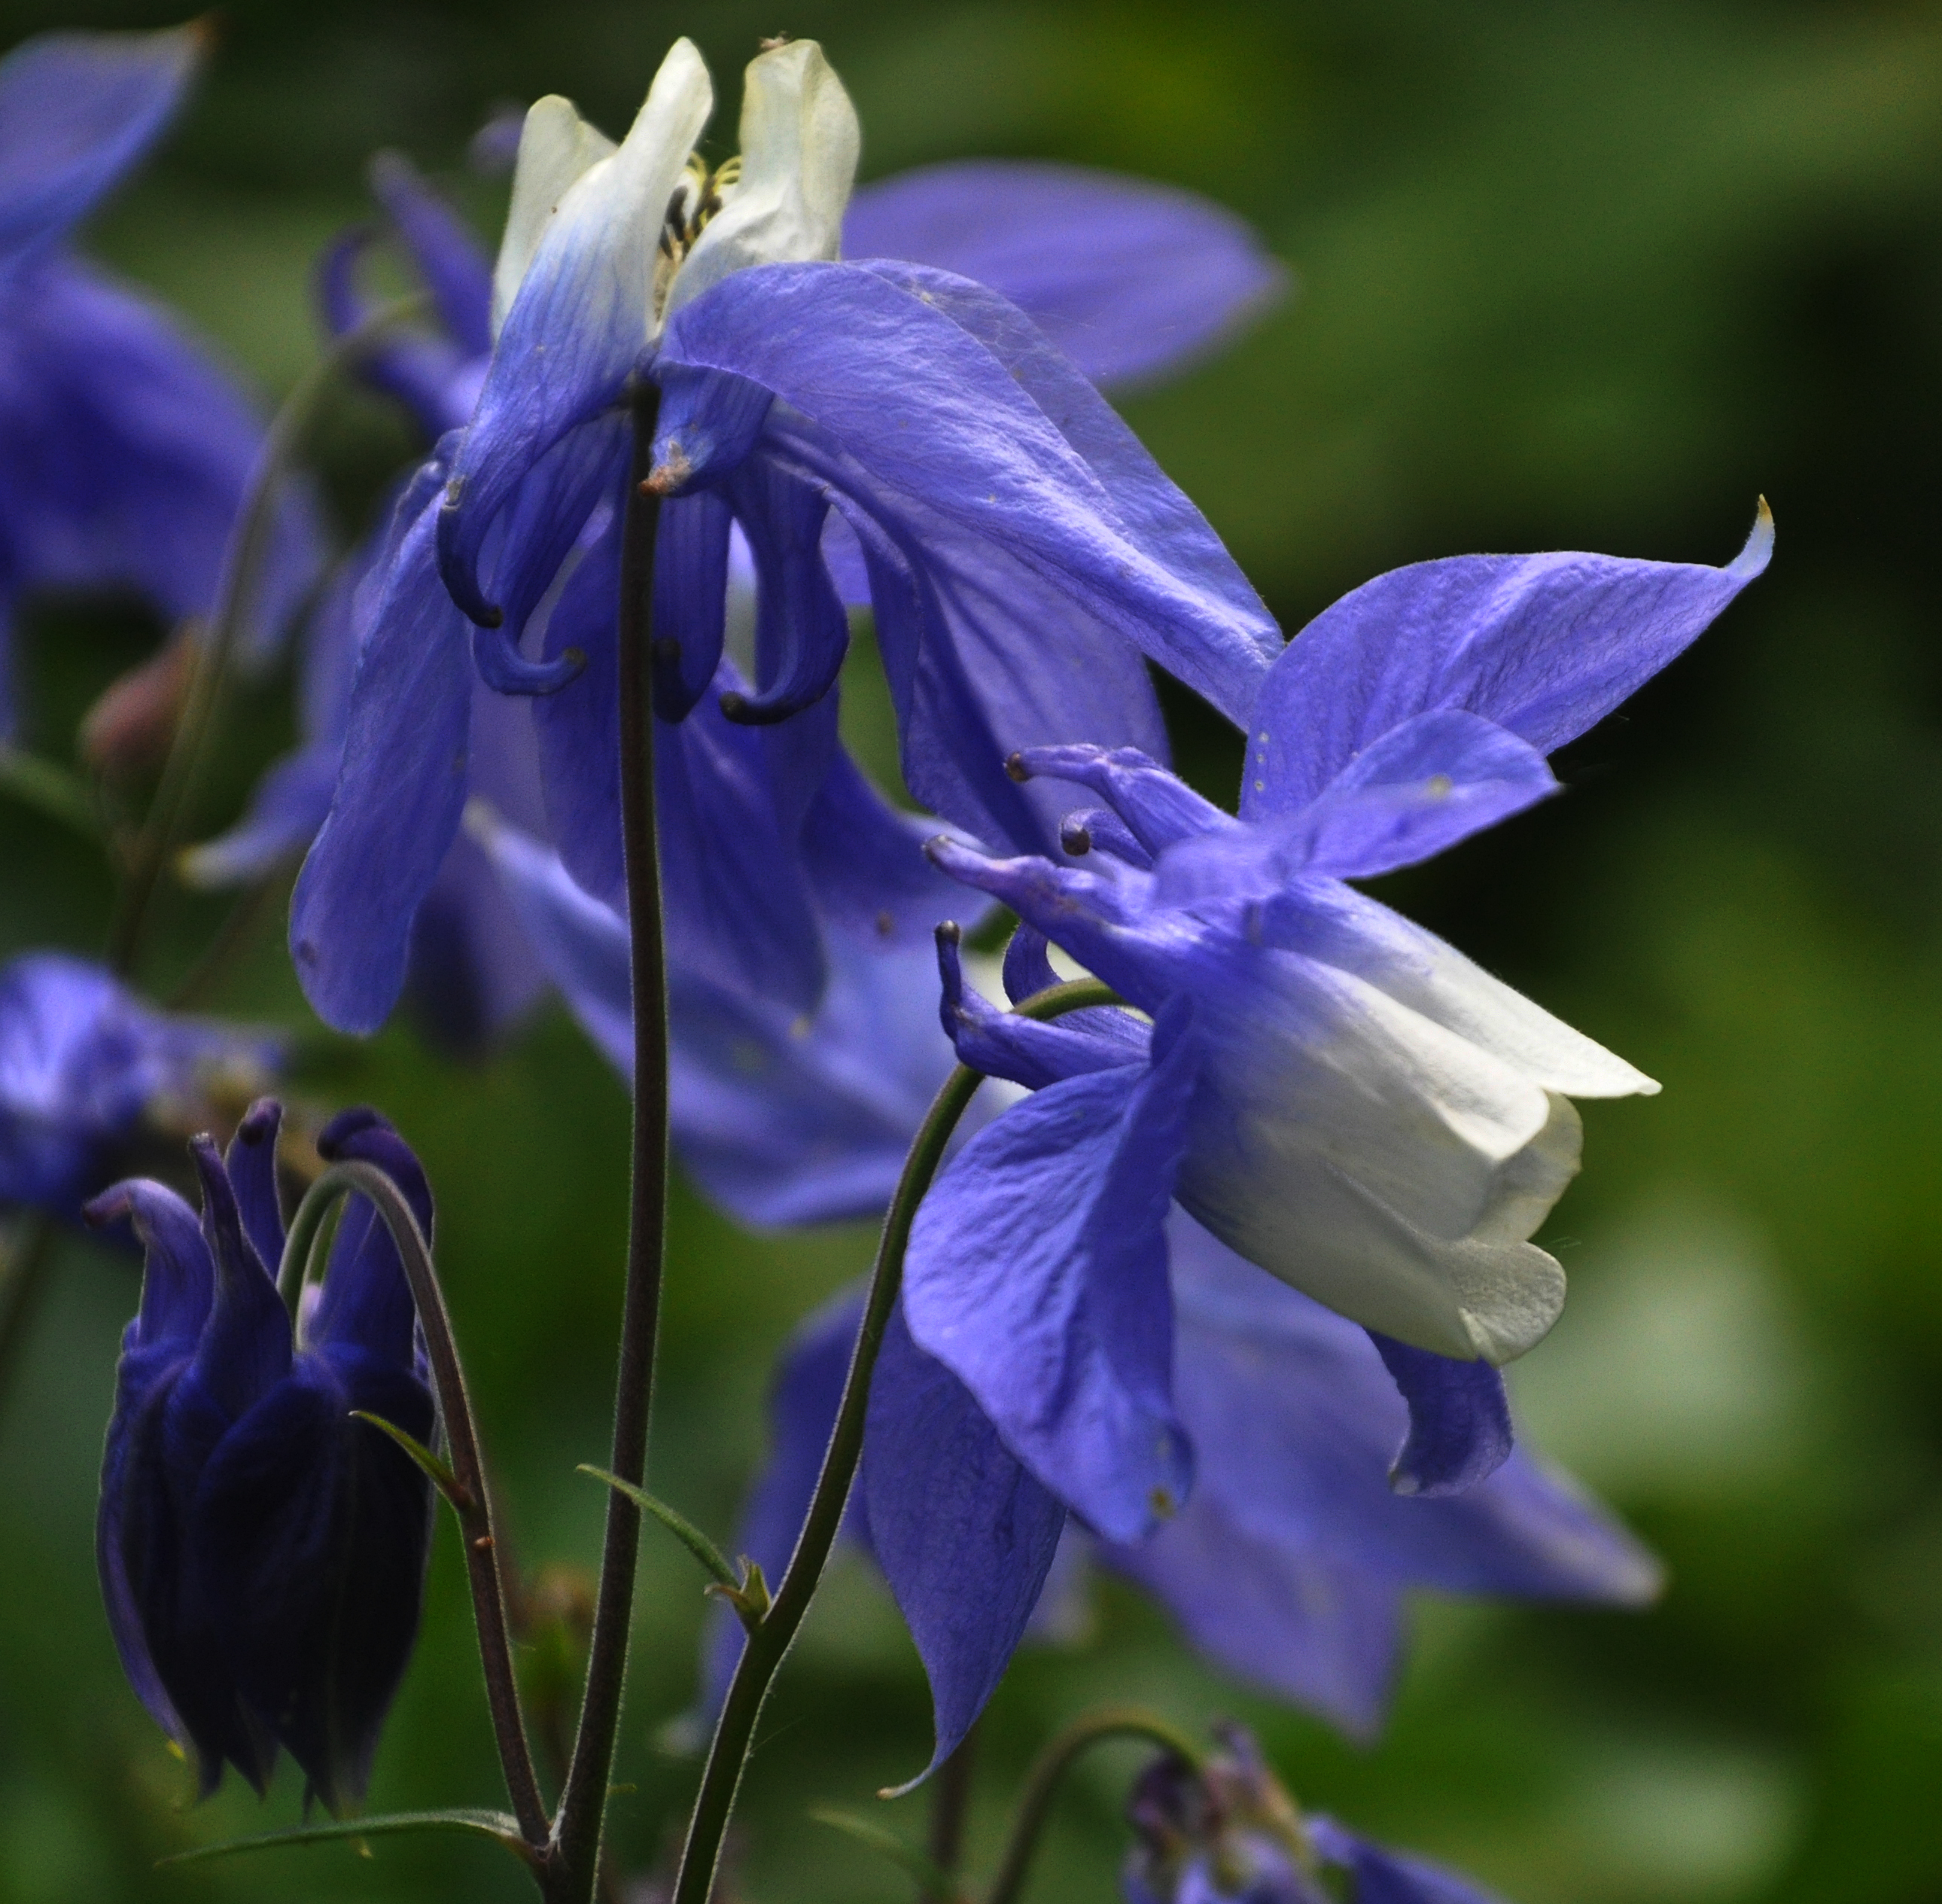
(23, 1280)
(1109, 1722)
(472, 1503)
(250, 546)
(573, 1859)
(728, 1752)
(950, 1808)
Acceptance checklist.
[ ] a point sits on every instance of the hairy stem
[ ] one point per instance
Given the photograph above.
(728, 1753)
(474, 1506)
(573, 1859)
(1109, 1722)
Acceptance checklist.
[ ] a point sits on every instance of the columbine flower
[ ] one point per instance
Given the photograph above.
(1227, 1833)
(85, 1067)
(263, 1553)
(1287, 1566)
(983, 489)
(124, 450)
(1340, 1096)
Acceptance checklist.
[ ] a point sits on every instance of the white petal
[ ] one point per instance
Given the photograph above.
(556, 145)
(800, 141)
(599, 237)
(1344, 927)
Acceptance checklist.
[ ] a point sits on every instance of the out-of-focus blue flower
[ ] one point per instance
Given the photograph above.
(84, 1065)
(1289, 1565)
(1339, 1095)
(125, 449)
(794, 1084)
(261, 1553)
(1227, 1833)
(888, 432)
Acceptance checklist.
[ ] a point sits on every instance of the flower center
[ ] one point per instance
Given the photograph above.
(699, 196)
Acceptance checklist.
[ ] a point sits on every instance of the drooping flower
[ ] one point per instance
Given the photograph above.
(1342, 1098)
(85, 1067)
(1287, 1565)
(124, 449)
(983, 489)
(261, 1553)
(1226, 1832)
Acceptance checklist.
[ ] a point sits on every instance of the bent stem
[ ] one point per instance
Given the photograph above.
(573, 1859)
(1042, 1784)
(769, 1641)
(472, 1502)
(249, 550)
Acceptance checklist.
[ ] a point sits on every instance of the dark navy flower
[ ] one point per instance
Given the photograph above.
(124, 449)
(85, 1065)
(1289, 1565)
(1227, 1833)
(1341, 1097)
(891, 434)
(261, 1553)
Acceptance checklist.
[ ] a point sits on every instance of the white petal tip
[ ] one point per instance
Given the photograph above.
(1752, 558)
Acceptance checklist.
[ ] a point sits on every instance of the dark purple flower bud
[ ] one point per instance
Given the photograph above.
(262, 1551)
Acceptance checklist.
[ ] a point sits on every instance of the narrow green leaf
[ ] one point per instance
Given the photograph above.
(929, 1879)
(497, 1825)
(50, 790)
(680, 1526)
(442, 1478)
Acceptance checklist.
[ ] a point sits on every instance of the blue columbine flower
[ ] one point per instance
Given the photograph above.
(1227, 1833)
(85, 1066)
(905, 430)
(263, 1553)
(124, 450)
(1288, 1564)
(1341, 1097)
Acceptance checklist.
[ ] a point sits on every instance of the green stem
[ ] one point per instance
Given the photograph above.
(24, 1282)
(728, 1752)
(949, 1810)
(1042, 1784)
(250, 547)
(474, 1506)
(573, 1861)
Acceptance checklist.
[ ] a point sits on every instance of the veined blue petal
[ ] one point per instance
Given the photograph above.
(802, 632)
(1037, 1273)
(1421, 788)
(963, 1532)
(927, 408)
(1385, 1877)
(1160, 809)
(1002, 1044)
(1132, 280)
(707, 423)
(1543, 644)
(691, 599)
(1460, 1420)
(399, 794)
(581, 319)
(77, 112)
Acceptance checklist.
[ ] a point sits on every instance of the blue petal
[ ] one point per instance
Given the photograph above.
(400, 795)
(178, 1279)
(251, 1163)
(1027, 968)
(1421, 788)
(1460, 1420)
(1384, 1877)
(77, 112)
(964, 1534)
(706, 425)
(245, 1347)
(1543, 644)
(691, 599)
(1037, 1273)
(1160, 808)
(804, 1397)
(366, 1306)
(310, 1531)
(1130, 279)
(455, 269)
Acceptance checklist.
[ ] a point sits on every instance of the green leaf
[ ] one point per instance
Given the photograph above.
(496, 1824)
(50, 790)
(681, 1527)
(931, 1882)
(442, 1478)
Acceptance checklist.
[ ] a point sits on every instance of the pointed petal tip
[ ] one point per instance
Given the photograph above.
(1758, 552)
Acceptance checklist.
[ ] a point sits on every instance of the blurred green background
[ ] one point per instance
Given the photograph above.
(1588, 275)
